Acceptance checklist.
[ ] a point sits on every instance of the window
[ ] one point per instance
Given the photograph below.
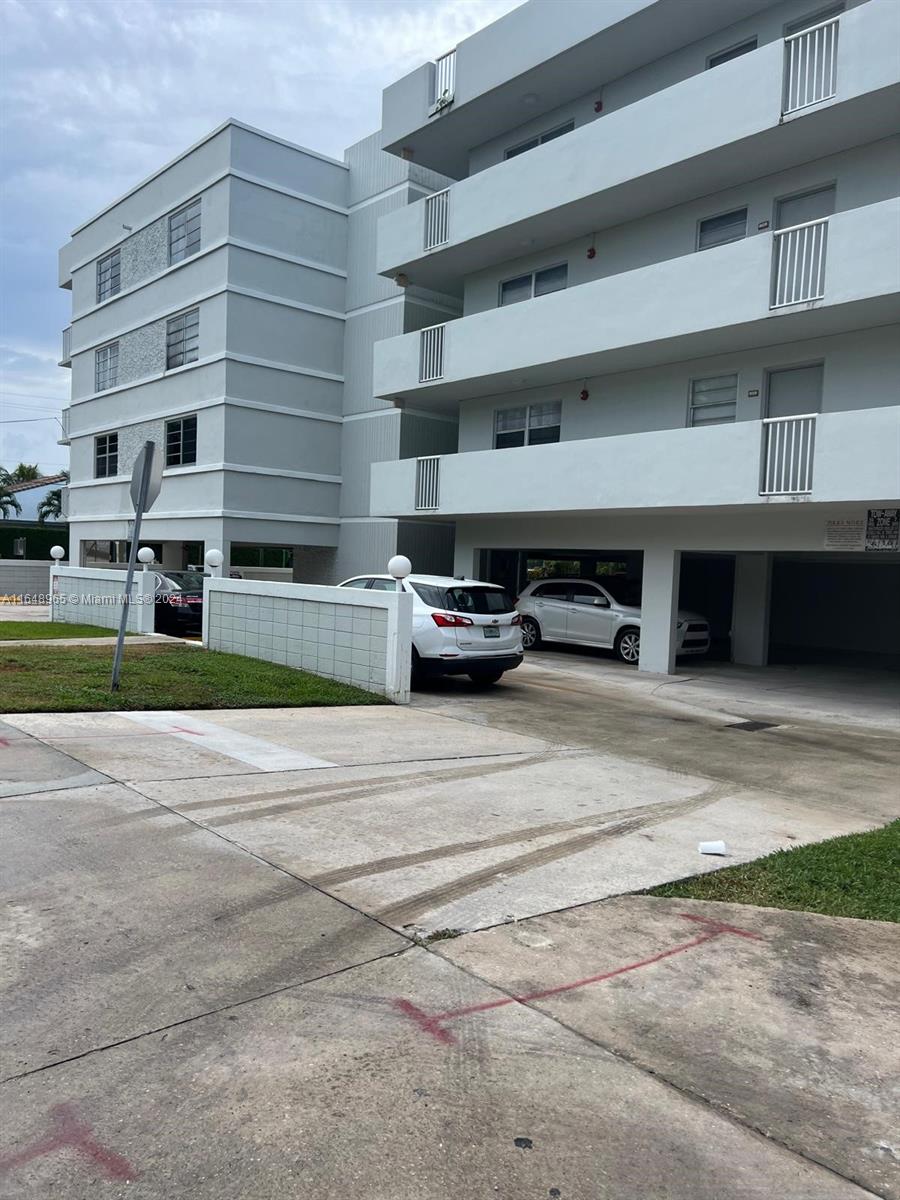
(383, 585)
(716, 231)
(551, 591)
(357, 583)
(106, 455)
(583, 593)
(482, 600)
(724, 56)
(181, 442)
(536, 283)
(713, 400)
(183, 339)
(106, 367)
(534, 142)
(109, 275)
(535, 425)
(184, 232)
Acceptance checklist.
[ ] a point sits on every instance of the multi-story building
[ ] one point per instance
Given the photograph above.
(675, 233)
(617, 286)
(226, 308)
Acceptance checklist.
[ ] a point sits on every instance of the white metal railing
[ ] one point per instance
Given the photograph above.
(66, 345)
(444, 79)
(437, 219)
(810, 65)
(428, 482)
(431, 353)
(787, 455)
(798, 263)
(63, 439)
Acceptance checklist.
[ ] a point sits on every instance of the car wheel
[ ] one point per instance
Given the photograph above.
(486, 678)
(531, 634)
(628, 645)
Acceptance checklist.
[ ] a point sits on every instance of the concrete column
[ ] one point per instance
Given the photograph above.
(465, 557)
(659, 608)
(751, 606)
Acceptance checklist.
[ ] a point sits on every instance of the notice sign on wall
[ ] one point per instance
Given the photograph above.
(845, 535)
(883, 529)
(878, 530)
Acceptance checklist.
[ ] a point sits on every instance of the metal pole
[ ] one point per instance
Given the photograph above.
(149, 448)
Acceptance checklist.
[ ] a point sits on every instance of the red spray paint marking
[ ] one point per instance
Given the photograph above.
(434, 1023)
(67, 1131)
(5, 742)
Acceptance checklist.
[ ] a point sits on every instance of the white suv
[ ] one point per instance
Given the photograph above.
(460, 626)
(591, 614)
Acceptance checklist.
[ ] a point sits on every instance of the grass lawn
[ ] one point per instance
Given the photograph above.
(853, 876)
(76, 679)
(13, 631)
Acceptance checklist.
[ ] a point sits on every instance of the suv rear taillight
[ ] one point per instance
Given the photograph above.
(450, 619)
(517, 620)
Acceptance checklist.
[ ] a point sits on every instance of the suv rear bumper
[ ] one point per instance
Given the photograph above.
(469, 665)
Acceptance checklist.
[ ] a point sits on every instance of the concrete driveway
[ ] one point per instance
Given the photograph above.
(213, 987)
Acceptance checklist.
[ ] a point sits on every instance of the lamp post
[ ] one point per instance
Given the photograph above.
(399, 566)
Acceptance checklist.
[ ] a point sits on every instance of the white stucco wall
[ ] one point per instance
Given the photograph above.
(360, 638)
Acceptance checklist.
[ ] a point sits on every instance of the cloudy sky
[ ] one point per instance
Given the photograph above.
(96, 94)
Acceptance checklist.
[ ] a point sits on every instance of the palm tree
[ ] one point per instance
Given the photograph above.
(8, 502)
(25, 473)
(51, 505)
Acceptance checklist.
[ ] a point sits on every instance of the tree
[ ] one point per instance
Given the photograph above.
(8, 502)
(51, 505)
(25, 473)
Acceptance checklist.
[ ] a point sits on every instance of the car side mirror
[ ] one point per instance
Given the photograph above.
(601, 602)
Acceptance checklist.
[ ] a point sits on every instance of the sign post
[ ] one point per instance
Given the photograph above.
(146, 481)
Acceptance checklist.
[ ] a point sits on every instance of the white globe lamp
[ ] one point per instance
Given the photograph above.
(399, 567)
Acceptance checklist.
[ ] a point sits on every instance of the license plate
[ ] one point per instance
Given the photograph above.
(491, 631)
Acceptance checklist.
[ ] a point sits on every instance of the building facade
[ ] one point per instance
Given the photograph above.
(615, 287)
(226, 309)
(675, 233)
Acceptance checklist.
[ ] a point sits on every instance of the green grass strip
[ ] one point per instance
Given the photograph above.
(853, 876)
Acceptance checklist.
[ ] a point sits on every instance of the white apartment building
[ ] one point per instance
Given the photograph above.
(675, 233)
(226, 308)
(617, 285)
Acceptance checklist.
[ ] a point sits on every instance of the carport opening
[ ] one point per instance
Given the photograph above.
(706, 584)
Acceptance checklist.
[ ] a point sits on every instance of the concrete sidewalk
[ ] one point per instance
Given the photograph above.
(214, 986)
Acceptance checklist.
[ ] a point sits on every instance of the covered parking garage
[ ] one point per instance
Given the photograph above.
(771, 583)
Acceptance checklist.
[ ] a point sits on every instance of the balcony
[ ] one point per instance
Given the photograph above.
(813, 280)
(829, 457)
(547, 52)
(63, 439)
(66, 360)
(817, 93)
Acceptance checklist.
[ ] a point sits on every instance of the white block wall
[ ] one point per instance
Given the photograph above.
(356, 637)
(93, 596)
(25, 577)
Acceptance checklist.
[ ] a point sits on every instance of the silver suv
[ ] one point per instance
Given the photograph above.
(594, 614)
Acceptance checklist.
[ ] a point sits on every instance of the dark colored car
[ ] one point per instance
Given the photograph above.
(179, 603)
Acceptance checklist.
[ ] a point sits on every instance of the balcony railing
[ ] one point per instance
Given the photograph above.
(798, 264)
(63, 439)
(444, 80)
(66, 360)
(431, 353)
(810, 65)
(437, 219)
(787, 456)
(428, 482)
